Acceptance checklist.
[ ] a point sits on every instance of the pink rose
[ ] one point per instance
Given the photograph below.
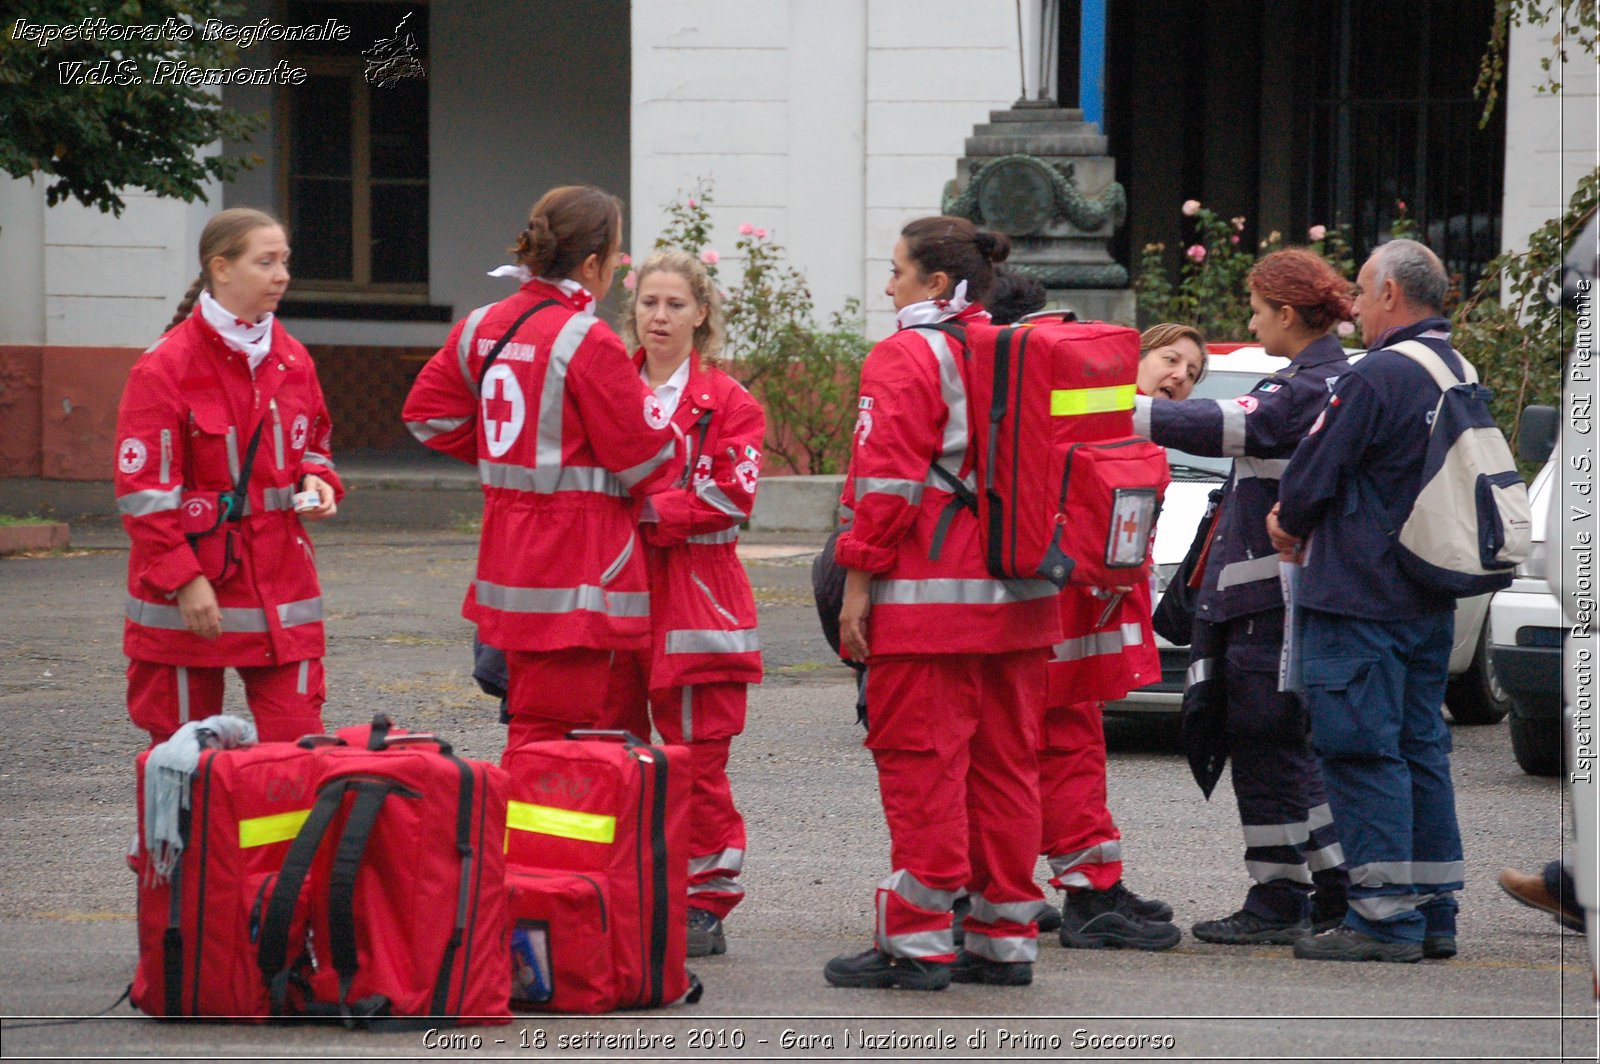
(1235, 238)
(761, 234)
(1400, 205)
(710, 257)
(1317, 232)
(1190, 207)
(693, 203)
(745, 228)
(627, 259)
(1197, 252)
(1345, 328)
(631, 281)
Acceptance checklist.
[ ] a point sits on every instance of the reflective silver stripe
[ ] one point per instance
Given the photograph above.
(304, 677)
(706, 591)
(1329, 856)
(729, 860)
(464, 345)
(688, 720)
(1101, 853)
(170, 618)
(305, 611)
(720, 885)
(1019, 949)
(712, 641)
(182, 672)
(1199, 672)
(277, 498)
(909, 490)
(435, 426)
(277, 432)
(1141, 415)
(1375, 874)
(1276, 834)
(1266, 872)
(934, 480)
(316, 458)
(233, 453)
(1110, 641)
(1319, 816)
(547, 454)
(1429, 873)
(166, 455)
(632, 476)
(150, 501)
(1248, 571)
(727, 535)
(714, 496)
(563, 599)
(1075, 880)
(1382, 907)
(916, 893)
(1016, 912)
(549, 480)
(920, 944)
(1246, 468)
(952, 591)
(953, 449)
(1233, 426)
(616, 565)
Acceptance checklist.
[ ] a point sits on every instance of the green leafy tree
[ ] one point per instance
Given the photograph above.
(1576, 26)
(112, 132)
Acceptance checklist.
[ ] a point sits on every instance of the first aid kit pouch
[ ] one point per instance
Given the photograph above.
(560, 924)
(1110, 495)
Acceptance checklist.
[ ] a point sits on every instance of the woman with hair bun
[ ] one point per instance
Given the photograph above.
(704, 649)
(956, 658)
(540, 395)
(1292, 850)
(224, 450)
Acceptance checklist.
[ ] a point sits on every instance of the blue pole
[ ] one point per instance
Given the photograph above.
(1092, 59)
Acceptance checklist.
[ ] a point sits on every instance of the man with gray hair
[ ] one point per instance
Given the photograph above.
(1375, 644)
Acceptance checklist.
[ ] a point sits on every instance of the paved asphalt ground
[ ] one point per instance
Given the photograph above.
(394, 565)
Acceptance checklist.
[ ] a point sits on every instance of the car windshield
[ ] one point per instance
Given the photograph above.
(1218, 384)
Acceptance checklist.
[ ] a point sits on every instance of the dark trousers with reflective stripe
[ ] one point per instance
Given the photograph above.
(1291, 842)
(1374, 689)
(704, 718)
(285, 700)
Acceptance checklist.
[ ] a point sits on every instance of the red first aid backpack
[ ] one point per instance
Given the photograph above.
(1064, 491)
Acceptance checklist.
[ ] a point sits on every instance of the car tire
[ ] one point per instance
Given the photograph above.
(1476, 697)
(1536, 744)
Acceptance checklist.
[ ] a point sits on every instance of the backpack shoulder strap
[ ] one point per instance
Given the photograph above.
(1429, 359)
(500, 344)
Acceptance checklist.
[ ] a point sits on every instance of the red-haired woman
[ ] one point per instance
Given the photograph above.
(562, 431)
(955, 658)
(1291, 846)
(222, 423)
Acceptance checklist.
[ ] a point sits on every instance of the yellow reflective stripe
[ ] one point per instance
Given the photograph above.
(265, 830)
(563, 823)
(1070, 402)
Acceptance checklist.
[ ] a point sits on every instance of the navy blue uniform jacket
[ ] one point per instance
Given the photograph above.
(1356, 476)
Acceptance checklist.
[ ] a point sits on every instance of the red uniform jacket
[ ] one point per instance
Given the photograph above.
(703, 615)
(912, 413)
(564, 431)
(188, 411)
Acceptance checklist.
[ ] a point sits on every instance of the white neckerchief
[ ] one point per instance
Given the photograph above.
(931, 310)
(522, 275)
(672, 391)
(253, 341)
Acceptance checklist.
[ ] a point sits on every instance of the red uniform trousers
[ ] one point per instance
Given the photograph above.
(1080, 840)
(705, 718)
(551, 692)
(285, 700)
(955, 738)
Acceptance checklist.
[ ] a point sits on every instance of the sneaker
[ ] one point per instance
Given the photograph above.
(1090, 920)
(971, 968)
(1531, 891)
(874, 969)
(1130, 904)
(705, 934)
(1245, 928)
(1327, 911)
(1345, 943)
(1439, 947)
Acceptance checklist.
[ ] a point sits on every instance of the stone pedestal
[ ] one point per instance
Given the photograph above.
(1040, 174)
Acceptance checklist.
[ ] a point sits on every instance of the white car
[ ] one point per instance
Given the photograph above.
(1474, 696)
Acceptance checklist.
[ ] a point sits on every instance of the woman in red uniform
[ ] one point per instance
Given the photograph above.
(222, 423)
(704, 650)
(562, 431)
(955, 658)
